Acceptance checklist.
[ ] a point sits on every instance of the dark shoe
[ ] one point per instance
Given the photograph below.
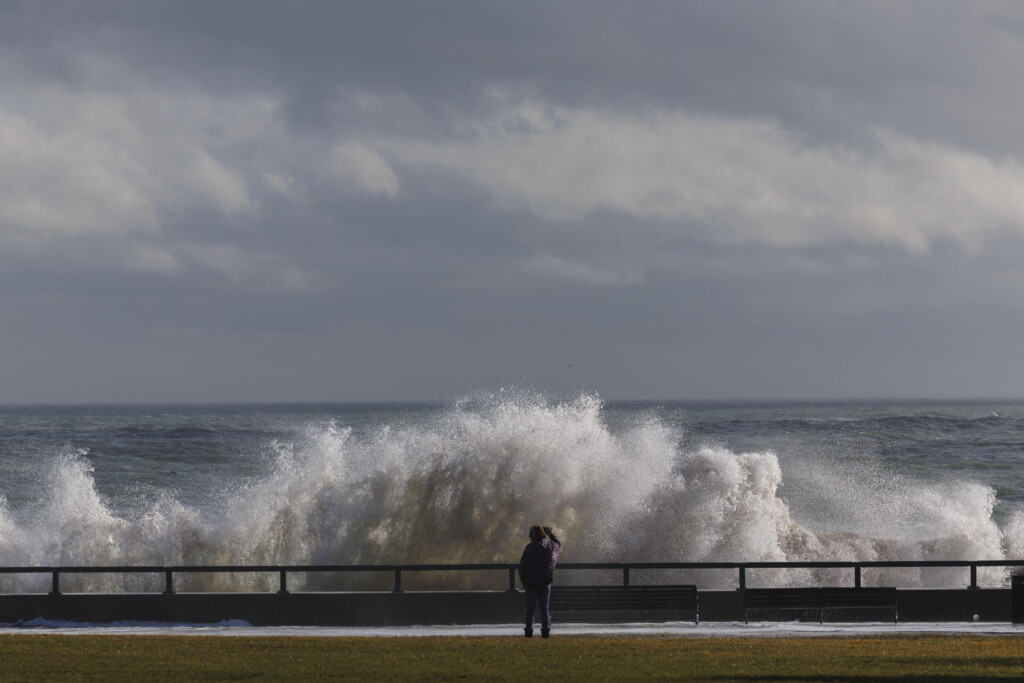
(545, 633)
(529, 632)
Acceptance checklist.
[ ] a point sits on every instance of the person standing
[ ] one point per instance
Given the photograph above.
(537, 572)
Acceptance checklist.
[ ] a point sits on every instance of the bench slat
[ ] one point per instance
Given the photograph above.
(829, 600)
(626, 602)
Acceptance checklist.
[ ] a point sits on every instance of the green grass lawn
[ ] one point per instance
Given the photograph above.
(45, 657)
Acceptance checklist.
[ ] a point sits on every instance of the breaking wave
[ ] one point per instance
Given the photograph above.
(465, 485)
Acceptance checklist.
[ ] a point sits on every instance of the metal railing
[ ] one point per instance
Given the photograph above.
(398, 569)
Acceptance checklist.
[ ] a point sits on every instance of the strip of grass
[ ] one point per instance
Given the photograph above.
(179, 658)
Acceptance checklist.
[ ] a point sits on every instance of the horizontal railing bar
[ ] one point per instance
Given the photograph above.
(82, 570)
(494, 566)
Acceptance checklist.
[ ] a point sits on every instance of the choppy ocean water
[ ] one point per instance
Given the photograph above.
(461, 482)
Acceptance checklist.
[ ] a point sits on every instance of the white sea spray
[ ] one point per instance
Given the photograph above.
(464, 485)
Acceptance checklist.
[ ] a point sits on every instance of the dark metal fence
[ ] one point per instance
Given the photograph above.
(625, 567)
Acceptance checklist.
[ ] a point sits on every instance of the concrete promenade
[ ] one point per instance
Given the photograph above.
(420, 608)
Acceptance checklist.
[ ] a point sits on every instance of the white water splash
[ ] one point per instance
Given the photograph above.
(465, 486)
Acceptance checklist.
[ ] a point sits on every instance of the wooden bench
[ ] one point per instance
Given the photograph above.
(625, 603)
(824, 603)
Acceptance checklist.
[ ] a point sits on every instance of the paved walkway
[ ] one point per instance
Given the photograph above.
(679, 630)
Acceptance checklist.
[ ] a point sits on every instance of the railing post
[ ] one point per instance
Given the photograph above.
(743, 578)
(168, 583)
(856, 576)
(974, 577)
(512, 580)
(284, 582)
(625, 576)
(398, 581)
(55, 590)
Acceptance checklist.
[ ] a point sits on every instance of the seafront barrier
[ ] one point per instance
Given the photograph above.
(398, 606)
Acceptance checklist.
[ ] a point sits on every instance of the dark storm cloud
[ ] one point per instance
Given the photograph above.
(364, 200)
(776, 59)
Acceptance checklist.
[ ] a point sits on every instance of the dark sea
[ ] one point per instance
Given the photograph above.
(461, 482)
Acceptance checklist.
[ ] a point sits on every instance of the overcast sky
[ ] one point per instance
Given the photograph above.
(319, 200)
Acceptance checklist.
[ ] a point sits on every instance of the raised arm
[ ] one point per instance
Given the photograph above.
(556, 545)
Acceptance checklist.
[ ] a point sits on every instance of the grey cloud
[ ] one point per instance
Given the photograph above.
(316, 201)
(731, 55)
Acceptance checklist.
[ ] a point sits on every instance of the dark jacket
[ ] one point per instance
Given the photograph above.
(537, 565)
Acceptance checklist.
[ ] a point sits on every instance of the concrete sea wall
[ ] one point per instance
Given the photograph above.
(418, 608)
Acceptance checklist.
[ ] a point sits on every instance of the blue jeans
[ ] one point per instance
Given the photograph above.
(535, 595)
